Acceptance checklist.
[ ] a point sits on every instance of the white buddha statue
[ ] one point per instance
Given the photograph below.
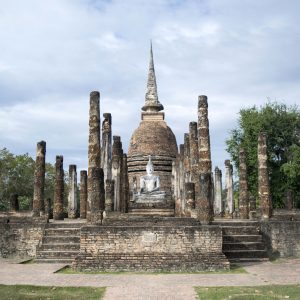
(150, 184)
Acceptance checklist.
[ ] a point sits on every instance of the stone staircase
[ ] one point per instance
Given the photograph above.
(60, 243)
(242, 241)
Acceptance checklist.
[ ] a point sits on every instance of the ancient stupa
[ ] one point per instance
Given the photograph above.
(152, 138)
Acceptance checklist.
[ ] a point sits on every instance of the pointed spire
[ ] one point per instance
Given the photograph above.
(151, 98)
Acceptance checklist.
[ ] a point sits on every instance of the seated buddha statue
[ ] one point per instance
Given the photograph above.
(150, 184)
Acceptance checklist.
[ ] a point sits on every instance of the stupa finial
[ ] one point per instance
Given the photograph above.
(151, 98)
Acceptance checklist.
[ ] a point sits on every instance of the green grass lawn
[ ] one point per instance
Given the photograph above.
(20, 292)
(270, 292)
(233, 270)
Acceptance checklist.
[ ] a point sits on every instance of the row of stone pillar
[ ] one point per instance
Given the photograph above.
(104, 187)
(194, 189)
(38, 206)
(192, 177)
(246, 204)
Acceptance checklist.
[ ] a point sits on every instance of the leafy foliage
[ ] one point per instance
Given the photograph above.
(17, 177)
(282, 125)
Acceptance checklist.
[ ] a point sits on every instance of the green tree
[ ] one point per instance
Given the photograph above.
(17, 177)
(282, 125)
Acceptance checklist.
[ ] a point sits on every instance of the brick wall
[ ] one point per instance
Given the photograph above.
(282, 237)
(19, 236)
(158, 248)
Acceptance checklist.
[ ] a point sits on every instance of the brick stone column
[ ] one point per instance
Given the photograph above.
(190, 198)
(117, 165)
(14, 203)
(106, 151)
(181, 181)
(83, 193)
(72, 199)
(203, 136)
(229, 205)
(125, 185)
(263, 178)
(186, 158)
(204, 201)
(243, 184)
(109, 194)
(194, 161)
(94, 193)
(218, 203)
(39, 180)
(58, 201)
(94, 148)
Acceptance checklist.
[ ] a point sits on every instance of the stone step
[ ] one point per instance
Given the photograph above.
(240, 230)
(245, 254)
(243, 246)
(62, 239)
(248, 260)
(56, 254)
(53, 261)
(152, 212)
(238, 223)
(60, 246)
(242, 238)
(62, 231)
(66, 225)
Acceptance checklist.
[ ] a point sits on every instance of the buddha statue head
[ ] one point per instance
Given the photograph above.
(149, 167)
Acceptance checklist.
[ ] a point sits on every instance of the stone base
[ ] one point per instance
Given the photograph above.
(167, 212)
(151, 248)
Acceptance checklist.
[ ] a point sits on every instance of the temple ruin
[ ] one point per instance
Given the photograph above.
(157, 207)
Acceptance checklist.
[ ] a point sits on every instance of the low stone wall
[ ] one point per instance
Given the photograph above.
(19, 235)
(151, 248)
(282, 237)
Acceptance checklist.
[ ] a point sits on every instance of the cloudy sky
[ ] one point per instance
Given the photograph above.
(54, 52)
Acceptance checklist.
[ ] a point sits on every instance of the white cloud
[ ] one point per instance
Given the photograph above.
(53, 53)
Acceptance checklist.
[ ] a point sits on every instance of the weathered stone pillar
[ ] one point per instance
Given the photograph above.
(83, 193)
(38, 206)
(94, 191)
(181, 180)
(190, 198)
(48, 208)
(203, 136)
(106, 151)
(109, 194)
(218, 204)
(102, 192)
(125, 185)
(204, 201)
(58, 201)
(243, 184)
(263, 178)
(229, 207)
(72, 198)
(193, 139)
(289, 199)
(186, 158)
(94, 148)
(14, 203)
(117, 164)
